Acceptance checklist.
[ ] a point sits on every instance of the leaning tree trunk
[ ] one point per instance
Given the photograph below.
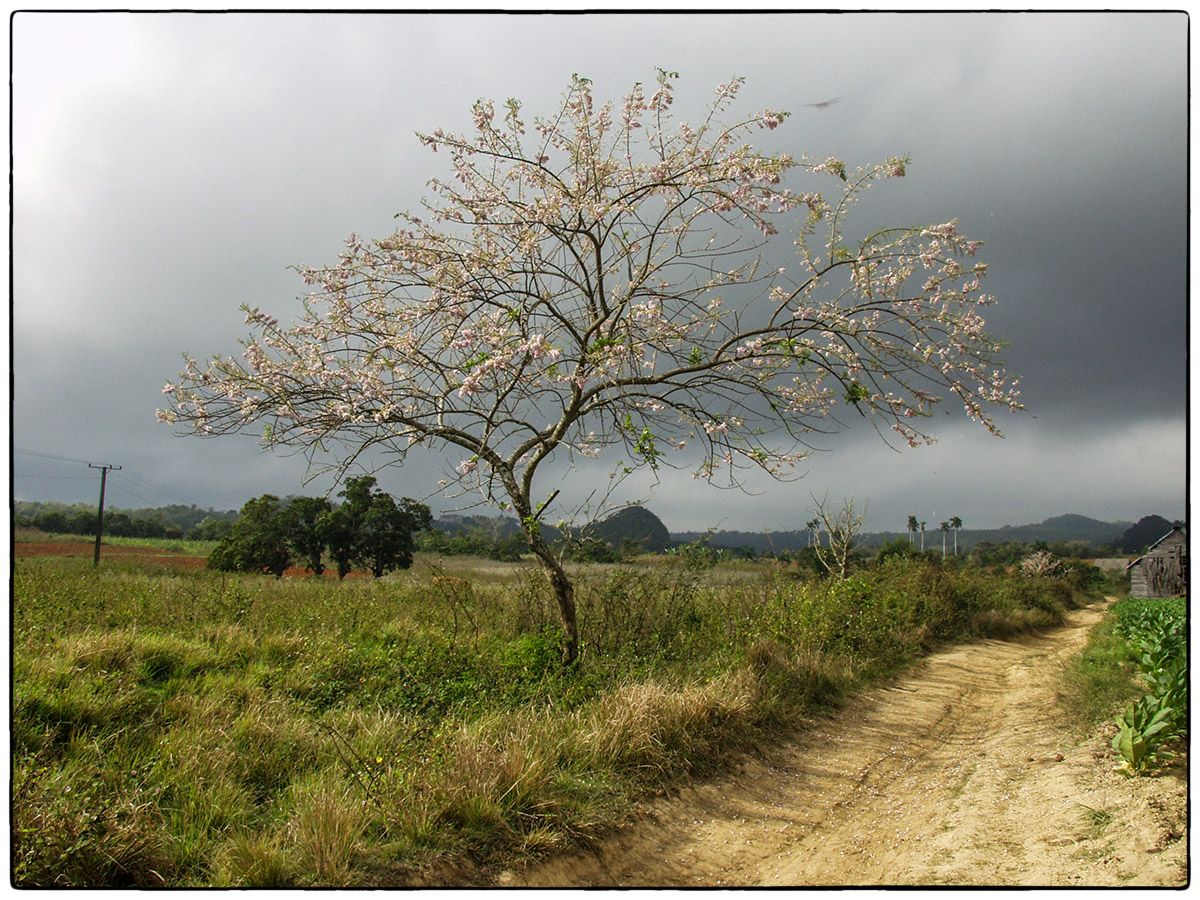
(564, 592)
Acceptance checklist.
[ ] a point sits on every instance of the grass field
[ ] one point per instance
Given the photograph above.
(182, 727)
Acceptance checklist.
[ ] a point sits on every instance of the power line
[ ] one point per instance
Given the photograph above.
(152, 485)
(60, 477)
(146, 483)
(83, 462)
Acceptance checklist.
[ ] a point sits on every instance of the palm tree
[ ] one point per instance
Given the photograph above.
(945, 529)
(912, 530)
(811, 525)
(956, 523)
(922, 537)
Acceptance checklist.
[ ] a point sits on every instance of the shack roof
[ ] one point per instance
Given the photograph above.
(1149, 549)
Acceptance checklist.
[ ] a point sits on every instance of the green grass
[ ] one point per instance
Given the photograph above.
(173, 545)
(1099, 681)
(191, 729)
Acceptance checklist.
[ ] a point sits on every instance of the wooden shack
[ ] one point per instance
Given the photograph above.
(1162, 571)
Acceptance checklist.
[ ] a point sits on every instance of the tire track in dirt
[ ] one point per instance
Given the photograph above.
(957, 773)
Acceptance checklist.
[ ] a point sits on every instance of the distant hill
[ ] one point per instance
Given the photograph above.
(80, 518)
(498, 527)
(634, 524)
(1140, 536)
(1068, 527)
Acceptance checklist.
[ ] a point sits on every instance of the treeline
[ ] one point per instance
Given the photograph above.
(173, 522)
(508, 546)
(368, 531)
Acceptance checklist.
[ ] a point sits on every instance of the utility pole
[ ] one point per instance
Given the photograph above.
(100, 512)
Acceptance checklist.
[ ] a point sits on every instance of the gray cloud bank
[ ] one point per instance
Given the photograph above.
(168, 168)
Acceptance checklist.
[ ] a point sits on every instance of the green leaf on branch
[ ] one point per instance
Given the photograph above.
(475, 360)
(856, 392)
(646, 449)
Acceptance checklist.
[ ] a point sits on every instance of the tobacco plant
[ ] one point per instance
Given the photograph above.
(1156, 633)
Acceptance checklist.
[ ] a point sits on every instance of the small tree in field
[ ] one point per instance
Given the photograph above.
(599, 279)
(372, 530)
(386, 533)
(841, 528)
(257, 542)
(340, 528)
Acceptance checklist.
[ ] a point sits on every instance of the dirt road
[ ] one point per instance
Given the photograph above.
(959, 773)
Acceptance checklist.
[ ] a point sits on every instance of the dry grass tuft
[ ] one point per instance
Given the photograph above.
(325, 830)
(253, 860)
(661, 729)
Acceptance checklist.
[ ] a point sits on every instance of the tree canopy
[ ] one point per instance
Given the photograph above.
(369, 530)
(599, 279)
(258, 541)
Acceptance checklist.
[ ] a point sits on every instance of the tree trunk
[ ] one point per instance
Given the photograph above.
(564, 593)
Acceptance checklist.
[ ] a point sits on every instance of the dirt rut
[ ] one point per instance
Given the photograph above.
(958, 773)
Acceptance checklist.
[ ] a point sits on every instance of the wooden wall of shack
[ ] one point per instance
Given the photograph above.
(1163, 571)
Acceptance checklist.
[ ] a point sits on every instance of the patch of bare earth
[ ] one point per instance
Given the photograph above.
(959, 773)
(153, 555)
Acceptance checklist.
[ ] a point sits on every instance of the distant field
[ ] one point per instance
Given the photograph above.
(182, 554)
(172, 545)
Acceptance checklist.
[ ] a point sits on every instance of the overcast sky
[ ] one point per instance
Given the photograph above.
(168, 168)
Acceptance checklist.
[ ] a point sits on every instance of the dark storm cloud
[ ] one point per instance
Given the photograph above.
(169, 168)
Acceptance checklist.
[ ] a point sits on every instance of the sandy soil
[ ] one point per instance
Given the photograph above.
(958, 774)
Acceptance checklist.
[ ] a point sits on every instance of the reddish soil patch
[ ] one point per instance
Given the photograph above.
(154, 555)
(150, 555)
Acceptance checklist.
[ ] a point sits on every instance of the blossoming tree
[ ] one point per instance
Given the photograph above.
(600, 279)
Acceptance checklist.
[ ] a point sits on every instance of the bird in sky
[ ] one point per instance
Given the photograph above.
(824, 104)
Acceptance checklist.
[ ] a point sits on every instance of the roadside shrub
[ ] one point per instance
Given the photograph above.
(789, 683)
(1099, 680)
(1082, 576)
(1041, 564)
